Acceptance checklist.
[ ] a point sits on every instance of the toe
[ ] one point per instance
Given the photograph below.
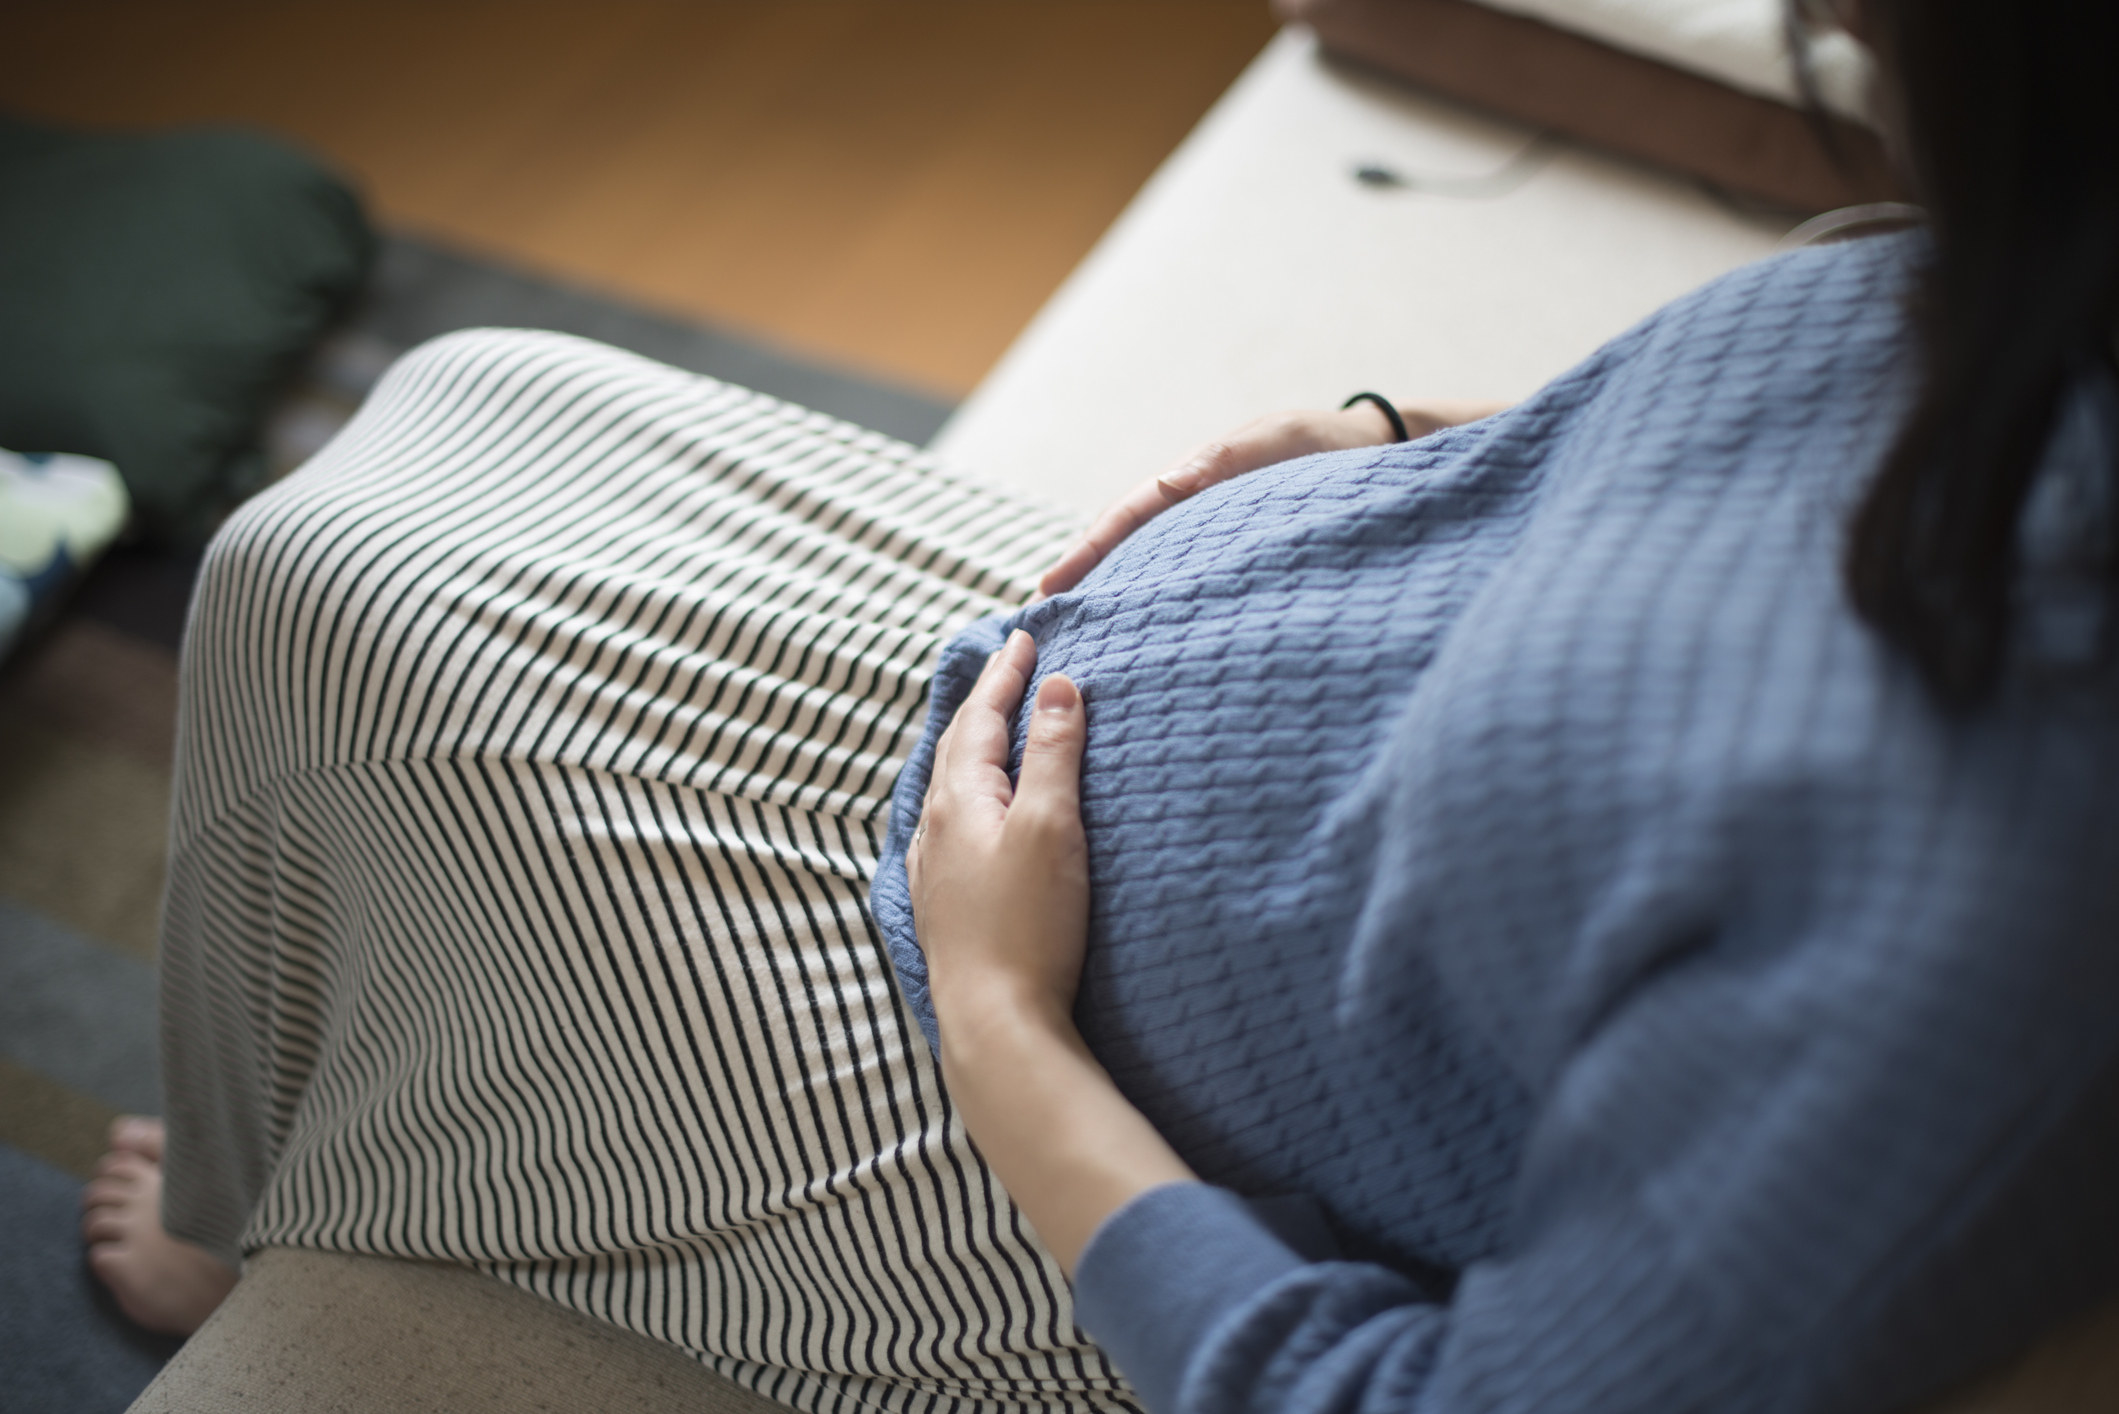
(122, 1165)
(103, 1225)
(106, 1193)
(139, 1134)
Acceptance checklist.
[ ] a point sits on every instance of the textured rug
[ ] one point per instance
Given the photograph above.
(87, 723)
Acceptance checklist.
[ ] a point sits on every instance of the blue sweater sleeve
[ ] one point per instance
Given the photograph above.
(1207, 1311)
(1849, 1230)
(1233, 1323)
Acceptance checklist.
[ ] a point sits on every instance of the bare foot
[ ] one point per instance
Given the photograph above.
(165, 1284)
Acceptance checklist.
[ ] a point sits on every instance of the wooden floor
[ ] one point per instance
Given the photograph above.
(895, 185)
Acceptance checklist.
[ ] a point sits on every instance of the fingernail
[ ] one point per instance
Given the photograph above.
(1057, 694)
(1023, 634)
(1183, 482)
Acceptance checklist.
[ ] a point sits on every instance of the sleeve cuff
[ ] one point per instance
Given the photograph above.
(1163, 1271)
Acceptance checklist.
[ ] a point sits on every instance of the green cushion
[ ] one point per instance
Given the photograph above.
(156, 291)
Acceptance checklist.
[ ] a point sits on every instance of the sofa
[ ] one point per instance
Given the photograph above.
(1264, 266)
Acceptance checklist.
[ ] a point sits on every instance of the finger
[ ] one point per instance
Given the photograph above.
(1120, 519)
(103, 1225)
(984, 722)
(139, 1133)
(103, 1192)
(1252, 446)
(120, 1162)
(950, 734)
(973, 752)
(1069, 570)
(1051, 781)
(1007, 673)
(976, 723)
(1205, 466)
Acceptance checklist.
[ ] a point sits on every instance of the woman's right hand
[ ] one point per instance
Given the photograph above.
(1265, 441)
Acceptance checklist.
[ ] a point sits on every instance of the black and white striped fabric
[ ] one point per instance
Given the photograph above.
(535, 751)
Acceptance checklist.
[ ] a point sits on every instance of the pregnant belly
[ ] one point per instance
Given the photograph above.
(1243, 664)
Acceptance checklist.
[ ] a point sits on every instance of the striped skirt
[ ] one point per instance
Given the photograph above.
(535, 749)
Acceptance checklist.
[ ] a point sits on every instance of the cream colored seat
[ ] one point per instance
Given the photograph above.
(324, 1333)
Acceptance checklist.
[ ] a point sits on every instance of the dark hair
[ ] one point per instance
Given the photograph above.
(2006, 117)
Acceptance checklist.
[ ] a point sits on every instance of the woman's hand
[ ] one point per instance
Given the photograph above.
(1000, 899)
(1000, 874)
(1265, 441)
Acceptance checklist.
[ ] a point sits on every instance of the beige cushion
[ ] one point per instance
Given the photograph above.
(323, 1333)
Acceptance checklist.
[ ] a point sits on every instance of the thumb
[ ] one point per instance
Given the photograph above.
(1051, 779)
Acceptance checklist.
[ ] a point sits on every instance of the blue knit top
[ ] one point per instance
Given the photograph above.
(1588, 967)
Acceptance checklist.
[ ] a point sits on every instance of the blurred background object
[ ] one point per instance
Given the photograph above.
(156, 293)
(57, 513)
(895, 187)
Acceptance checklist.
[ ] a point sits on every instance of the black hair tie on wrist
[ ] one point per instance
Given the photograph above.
(1397, 422)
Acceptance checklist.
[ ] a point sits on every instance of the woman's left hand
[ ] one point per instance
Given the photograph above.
(1000, 899)
(1000, 873)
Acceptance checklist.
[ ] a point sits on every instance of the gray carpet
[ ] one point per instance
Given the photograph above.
(64, 1346)
(78, 1012)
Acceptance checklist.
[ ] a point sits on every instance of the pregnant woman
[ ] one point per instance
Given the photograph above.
(1613, 905)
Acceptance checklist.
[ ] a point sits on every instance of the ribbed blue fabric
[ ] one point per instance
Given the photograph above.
(1512, 842)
